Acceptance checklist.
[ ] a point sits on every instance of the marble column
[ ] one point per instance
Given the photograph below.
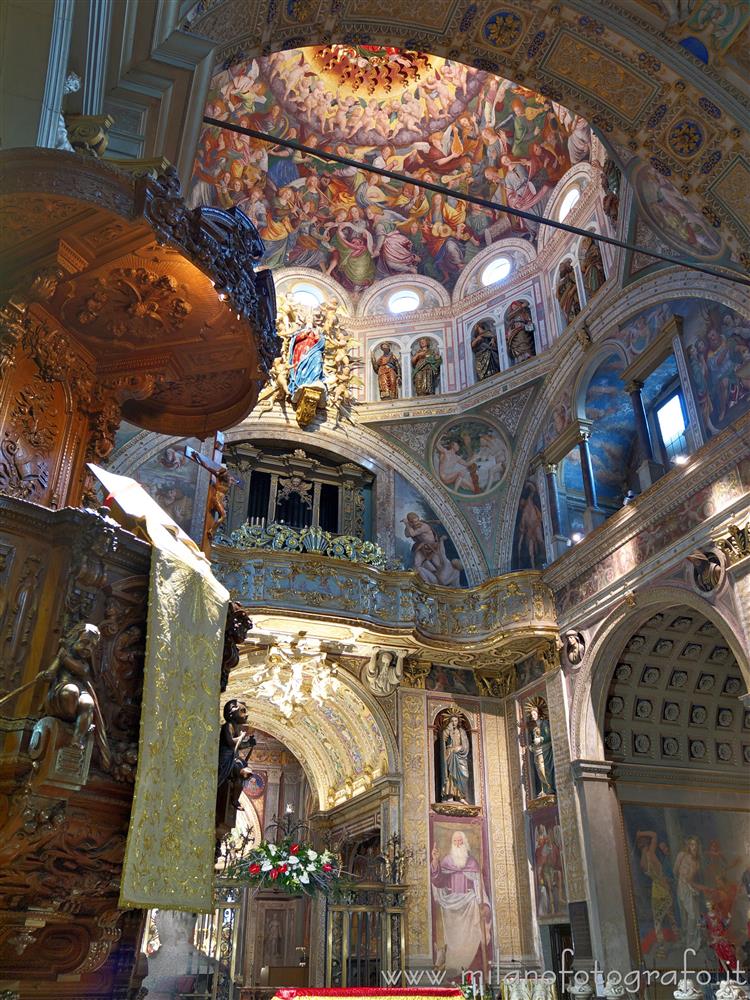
(97, 49)
(57, 64)
(559, 541)
(274, 809)
(649, 470)
(593, 515)
(612, 934)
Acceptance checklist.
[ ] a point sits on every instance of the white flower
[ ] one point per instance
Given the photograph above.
(271, 849)
(292, 860)
(266, 866)
(304, 878)
(312, 855)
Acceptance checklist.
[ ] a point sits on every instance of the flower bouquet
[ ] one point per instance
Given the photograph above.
(290, 866)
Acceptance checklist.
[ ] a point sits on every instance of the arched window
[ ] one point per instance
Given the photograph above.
(307, 294)
(404, 300)
(570, 199)
(497, 270)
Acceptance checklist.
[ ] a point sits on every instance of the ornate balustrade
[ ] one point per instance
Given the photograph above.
(265, 569)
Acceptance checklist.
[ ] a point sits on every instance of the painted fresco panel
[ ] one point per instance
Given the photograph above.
(674, 217)
(470, 457)
(546, 853)
(717, 347)
(690, 873)
(422, 542)
(170, 478)
(461, 897)
(529, 550)
(451, 680)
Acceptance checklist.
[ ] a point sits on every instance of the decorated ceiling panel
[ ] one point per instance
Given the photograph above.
(435, 119)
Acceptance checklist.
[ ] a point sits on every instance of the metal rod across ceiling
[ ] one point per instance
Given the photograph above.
(472, 199)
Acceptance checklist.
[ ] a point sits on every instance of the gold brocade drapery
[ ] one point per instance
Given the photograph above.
(170, 848)
(169, 855)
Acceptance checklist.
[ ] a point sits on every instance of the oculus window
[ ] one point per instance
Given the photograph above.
(496, 270)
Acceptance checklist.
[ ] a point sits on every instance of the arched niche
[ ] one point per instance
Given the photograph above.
(426, 354)
(591, 264)
(484, 349)
(566, 291)
(520, 331)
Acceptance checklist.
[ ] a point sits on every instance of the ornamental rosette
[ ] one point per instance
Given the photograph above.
(290, 866)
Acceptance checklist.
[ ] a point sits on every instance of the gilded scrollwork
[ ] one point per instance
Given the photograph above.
(736, 545)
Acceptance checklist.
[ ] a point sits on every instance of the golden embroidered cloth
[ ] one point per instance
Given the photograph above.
(169, 855)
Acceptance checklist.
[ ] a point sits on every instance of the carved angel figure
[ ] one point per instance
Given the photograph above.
(71, 696)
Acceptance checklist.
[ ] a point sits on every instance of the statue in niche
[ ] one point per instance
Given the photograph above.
(611, 186)
(385, 671)
(540, 746)
(567, 292)
(592, 266)
(575, 647)
(426, 361)
(71, 696)
(387, 368)
(455, 772)
(519, 332)
(485, 350)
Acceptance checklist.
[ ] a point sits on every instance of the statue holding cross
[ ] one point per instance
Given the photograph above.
(220, 482)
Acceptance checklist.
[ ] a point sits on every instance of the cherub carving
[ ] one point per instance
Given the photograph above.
(71, 696)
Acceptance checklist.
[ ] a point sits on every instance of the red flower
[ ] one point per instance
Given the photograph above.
(294, 849)
(283, 868)
(274, 873)
(327, 868)
(254, 869)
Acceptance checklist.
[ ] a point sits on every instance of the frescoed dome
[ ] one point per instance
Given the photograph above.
(421, 115)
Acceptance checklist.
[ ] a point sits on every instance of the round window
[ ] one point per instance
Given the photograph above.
(403, 301)
(496, 270)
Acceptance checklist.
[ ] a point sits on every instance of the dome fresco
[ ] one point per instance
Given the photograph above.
(431, 118)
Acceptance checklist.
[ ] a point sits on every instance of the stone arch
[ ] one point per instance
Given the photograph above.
(593, 680)
(344, 744)
(605, 351)
(603, 319)
(285, 277)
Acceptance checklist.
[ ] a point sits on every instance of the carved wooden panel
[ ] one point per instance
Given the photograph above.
(62, 841)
